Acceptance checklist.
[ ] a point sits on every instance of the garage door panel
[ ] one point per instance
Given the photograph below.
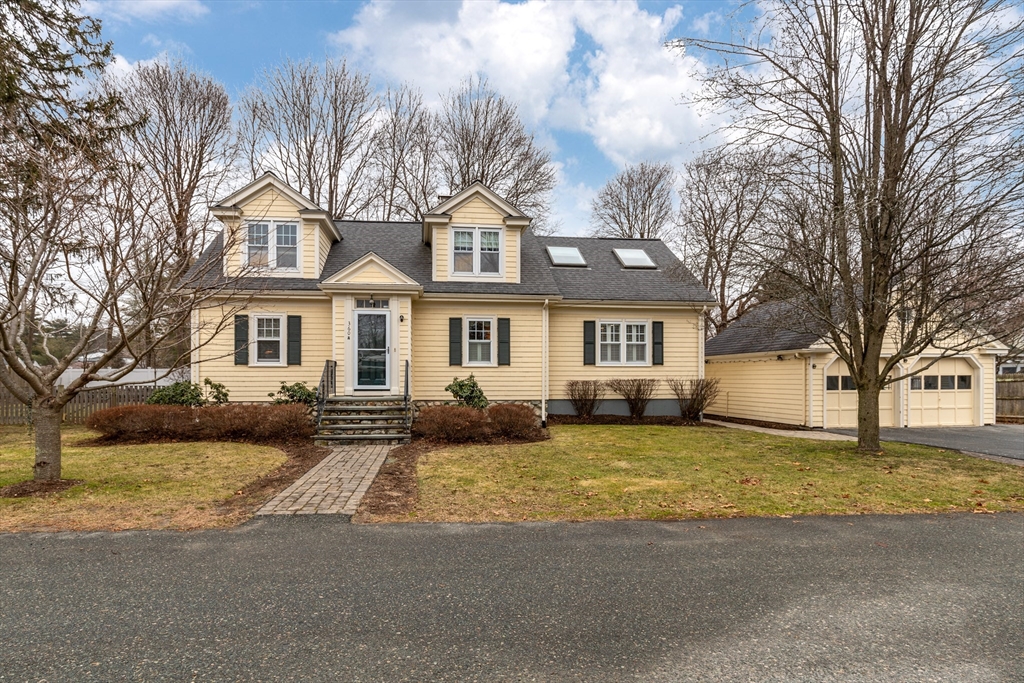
(943, 396)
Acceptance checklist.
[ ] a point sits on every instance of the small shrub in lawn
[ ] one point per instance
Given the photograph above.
(585, 396)
(636, 391)
(694, 395)
(214, 423)
(454, 424)
(513, 420)
(467, 392)
(295, 393)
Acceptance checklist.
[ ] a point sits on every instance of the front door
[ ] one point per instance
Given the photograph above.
(372, 334)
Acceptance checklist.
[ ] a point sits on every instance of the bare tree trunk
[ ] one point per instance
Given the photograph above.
(46, 422)
(867, 416)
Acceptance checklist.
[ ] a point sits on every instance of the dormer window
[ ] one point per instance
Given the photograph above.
(272, 245)
(476, 251)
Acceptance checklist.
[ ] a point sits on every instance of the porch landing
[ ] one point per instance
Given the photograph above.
(335, 486)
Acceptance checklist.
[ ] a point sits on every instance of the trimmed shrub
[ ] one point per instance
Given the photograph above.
(454, 424)
(513, 420)
(189, 394)
(585, 396)
(178, 394)
(467, 392)
(231, 422)
(636, 391)
(295, 393)
(694, 395)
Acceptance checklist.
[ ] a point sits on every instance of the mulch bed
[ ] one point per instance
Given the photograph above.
(37, 489)
(759, 423)
(666, 420)
(394, 491)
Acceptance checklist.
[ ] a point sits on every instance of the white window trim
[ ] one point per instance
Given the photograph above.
(272, 244)
(254, 361)
(648, 343)
(494, 341)
(476, 274)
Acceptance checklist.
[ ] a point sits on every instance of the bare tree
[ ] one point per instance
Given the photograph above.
(404, 157)
(312, 123)
(904, 136)
(724, 210)
(185, 143)
(483, 138)
(635, 203)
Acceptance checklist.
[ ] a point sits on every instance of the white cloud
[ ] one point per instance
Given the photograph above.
(623, 93)
(146, 10)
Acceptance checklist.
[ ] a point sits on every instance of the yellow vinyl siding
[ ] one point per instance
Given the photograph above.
(762, 388)
(565, 361)
(511, 255)
(270, 205)
(325, 248)
(216, 358)
(371, 274)
(440, 248)
(988, 364)
(477, 212)
(431, 373)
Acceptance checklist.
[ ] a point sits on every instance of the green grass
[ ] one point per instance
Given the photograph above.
(153, 486)
(646, 472)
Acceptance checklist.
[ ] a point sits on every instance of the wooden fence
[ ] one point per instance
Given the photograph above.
(1009, 399)
(13, 412)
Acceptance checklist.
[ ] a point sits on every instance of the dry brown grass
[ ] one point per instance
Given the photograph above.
(658, 472)
(151, 486)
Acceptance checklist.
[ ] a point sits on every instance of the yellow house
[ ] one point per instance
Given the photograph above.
(771, 374)
(379, 311)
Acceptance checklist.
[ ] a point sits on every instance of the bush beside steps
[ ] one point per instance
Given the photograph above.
(462, 424)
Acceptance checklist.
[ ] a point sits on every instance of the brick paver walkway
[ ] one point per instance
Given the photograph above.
(335, 486)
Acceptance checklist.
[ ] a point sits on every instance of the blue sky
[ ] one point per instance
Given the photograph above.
(592, 79)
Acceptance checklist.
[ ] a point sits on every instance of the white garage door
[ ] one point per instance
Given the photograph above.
(841, 400)
(943, 395)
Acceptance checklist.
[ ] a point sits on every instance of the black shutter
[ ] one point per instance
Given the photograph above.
(657, 336)
(454, 341)
(589, 355)
(504, 347)
(241, 340)
(295, 340)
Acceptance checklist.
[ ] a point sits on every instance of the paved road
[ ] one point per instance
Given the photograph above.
(914, 598)
(1003, 440)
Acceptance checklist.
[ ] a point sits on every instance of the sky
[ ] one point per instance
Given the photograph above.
(593, 80)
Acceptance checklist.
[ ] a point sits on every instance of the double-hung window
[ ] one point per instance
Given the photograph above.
(476, 251)
(268, 339)
(624, 343)
(272, 245)
(479, 341)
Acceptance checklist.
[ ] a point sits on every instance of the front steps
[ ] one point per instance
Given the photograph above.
(353, 419)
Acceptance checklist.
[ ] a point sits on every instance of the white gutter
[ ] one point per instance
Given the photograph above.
(544, 365)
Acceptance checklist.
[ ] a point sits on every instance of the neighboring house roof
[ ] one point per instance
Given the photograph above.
(762, 330)
(400, 244)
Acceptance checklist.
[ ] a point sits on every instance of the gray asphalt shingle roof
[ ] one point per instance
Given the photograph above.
(769, 327)
(400, 244)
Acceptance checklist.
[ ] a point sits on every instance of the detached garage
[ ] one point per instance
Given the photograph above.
(775, 375)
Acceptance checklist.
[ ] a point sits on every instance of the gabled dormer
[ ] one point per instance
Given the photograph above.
(271, 230)
(475, 236)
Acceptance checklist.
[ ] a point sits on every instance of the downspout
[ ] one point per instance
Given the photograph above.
(700, 345)
(544, 366)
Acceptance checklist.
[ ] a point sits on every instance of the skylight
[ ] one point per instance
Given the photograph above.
(565, 256)
(634, 258)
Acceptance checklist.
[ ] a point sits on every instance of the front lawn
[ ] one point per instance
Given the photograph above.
(653, 472)
(153, 486)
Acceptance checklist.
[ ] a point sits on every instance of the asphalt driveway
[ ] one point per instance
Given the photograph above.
(1003, 440)
(909, 598)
